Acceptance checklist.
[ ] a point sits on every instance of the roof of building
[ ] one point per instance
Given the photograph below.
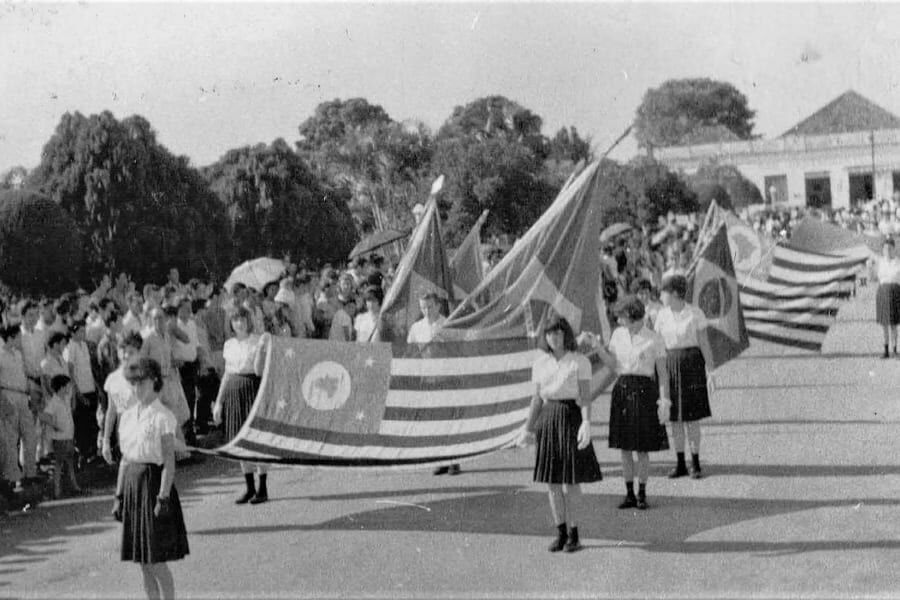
(848, 112)
(709, 134)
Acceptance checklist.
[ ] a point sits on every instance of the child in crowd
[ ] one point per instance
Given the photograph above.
(57, 416)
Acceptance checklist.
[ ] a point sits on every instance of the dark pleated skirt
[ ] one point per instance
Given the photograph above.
(237, 400)
(147, 538)
(558, 459)
(687, 384)
(887, 304)
(633, 421)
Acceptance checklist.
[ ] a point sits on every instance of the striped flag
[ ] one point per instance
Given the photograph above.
(798, 302)
(463, 395)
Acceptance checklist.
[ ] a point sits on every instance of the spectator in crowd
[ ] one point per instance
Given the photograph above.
(57, 418)
(365, 323)
(22, 426)
(78, 358)
(184, 358)
(120, 396)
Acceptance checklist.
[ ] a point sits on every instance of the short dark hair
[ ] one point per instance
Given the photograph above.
(132, 340)
(8, 333)
(557, 323)
(430, 296)
(76, 325)
(55, 338)
(58, 382)
(641, 284)
(27, 305)
(887, 242)
(243, 313)
(197, 306)
(144, 368)
(675, 284)
(630, 307)
(374, 293)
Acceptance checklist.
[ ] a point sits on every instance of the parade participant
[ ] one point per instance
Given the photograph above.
(887, 298)
(14, 386)
(158, 346)
(78, 357)
(365, 323)
(243, 367)
(679, 324)
(561, 421)
(153, 530)
(57, 418)
(643, 289)
(303, 305)
(422, 332)
(637, 355)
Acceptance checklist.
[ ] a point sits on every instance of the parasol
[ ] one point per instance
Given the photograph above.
(614, 230)
(256, 273)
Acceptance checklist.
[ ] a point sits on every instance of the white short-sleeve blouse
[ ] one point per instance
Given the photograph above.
(141, 429)
(636, 354)
(240, 355)
(680, 329)
(558, 379)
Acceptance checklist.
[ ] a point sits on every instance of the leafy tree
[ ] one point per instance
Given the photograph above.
(724, 183)
(381, 163)
(14, 178)
(568, 145)
(673, 113)
(137, 208)
(658, 190)
(277, 206)
(38, 253)
(494, 117)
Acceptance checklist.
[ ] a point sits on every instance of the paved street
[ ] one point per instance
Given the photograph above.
(800, 499)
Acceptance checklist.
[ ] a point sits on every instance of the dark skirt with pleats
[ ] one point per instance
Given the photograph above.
(887, 304)
(633, 421)
(237, 400)
(687, 384)
(147, 538)
(558, 459)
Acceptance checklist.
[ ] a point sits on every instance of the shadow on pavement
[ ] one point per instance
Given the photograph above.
(668, 526)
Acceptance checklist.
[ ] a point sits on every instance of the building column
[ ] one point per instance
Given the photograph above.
(796, 184)
(840, 188)
(884, 183)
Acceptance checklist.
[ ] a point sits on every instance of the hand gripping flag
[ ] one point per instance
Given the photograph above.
(713, 287)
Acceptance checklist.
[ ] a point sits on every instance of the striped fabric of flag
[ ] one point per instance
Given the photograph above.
(798, 302)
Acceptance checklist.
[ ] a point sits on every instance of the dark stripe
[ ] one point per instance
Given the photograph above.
(448, 413)
(828, 312)
(777, 339)
(813, 268)
(459, 382)
(462, 349)
(838, 279)
(303, 458)
(340, 438)
(791, 295)
(789, 325)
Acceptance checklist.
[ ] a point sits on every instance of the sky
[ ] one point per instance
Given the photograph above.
(215, 76)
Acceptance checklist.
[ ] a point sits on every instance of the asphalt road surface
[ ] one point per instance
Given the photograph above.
(799, 499)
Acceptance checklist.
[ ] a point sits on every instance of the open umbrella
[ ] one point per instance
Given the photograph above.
(256, 273)
(377, 240)
(614, 230)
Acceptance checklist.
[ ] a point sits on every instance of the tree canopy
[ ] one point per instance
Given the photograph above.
(723, 183)
(38, 253)
(682, 111)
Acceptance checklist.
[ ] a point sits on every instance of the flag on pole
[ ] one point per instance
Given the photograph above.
(466, 265)
(713, 287)
(422, 269)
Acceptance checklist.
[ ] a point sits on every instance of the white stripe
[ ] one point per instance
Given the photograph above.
(807, 258)
(789, 317)
(230, 448)
(470, 365)
(425, 428)
(786, 332)
(754, 286)
(472, 397)
(811, 277)
(376, 452)
(752, 302)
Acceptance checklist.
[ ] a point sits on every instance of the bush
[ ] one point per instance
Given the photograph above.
(40, 252)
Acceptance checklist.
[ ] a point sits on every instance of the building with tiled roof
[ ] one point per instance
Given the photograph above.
(845, 153)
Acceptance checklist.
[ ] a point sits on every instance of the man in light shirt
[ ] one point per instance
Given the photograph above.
(185, 358)
(422, 332)
(33, 342)
(77, 355)
(14, 386)
(131, 322)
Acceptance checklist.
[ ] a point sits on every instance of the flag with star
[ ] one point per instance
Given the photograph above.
(713, 287)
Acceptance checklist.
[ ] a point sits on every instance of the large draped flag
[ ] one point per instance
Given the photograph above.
(422, 269)
(463, 395)
(713, 287)
(466, 266)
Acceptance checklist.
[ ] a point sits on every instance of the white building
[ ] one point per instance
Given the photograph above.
(828, 159)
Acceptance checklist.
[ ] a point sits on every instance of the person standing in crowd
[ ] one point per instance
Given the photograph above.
(184, 356)
(887, 298)
(284, 321)
(119, 396)
(153, 530)
(679, 324)
(422, 333)
(243, 366)
(212, 321)
(639, 404)
(78, 358)
(643, 290)
(53, 364)
(132, 322)
(158, 346)
(57, 417)
(34, 344)
(14, 386)
(561, 421)
(365, 323)
(342, 321)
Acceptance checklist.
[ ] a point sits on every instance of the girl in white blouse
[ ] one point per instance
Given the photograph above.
(887, 299)
(153, 530)
(243, 366)
(561, 422)
(639, 404)
(680, 324)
